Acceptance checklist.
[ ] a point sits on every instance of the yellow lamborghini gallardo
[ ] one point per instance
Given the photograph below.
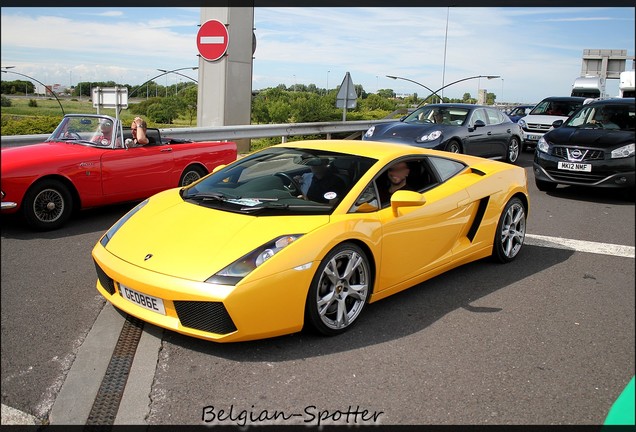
(305, 234)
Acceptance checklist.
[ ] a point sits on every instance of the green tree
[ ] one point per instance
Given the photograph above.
(386, 93)
(189, 97)
(166, 111)
(377, 102)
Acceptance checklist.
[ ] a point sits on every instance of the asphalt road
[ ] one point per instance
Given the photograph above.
(547, 339)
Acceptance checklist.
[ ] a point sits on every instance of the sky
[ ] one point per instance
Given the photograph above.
(536, 51)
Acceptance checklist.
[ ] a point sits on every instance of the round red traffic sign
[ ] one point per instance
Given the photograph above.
(212, 40)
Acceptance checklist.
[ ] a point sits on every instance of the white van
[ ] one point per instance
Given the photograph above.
(546, 112)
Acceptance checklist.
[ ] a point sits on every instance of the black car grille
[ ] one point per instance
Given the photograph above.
(205, 316)
(576, 176)
(589, 155)
(107, 283)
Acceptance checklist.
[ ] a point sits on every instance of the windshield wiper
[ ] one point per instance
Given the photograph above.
(280, 206)
(208, 196)
(235, 199)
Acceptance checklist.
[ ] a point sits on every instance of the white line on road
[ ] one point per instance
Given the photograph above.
(580, 245)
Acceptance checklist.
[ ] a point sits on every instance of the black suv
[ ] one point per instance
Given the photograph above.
(593, 147)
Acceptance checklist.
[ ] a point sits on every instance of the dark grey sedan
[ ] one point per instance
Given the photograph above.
(477, 130)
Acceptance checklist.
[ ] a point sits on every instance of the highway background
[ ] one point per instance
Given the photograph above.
(547, 339)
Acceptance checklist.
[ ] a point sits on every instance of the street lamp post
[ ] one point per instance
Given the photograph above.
(458, 81)
(5, 70)
(164, 72)
(175, 71)
(445, 43)
(415, 82)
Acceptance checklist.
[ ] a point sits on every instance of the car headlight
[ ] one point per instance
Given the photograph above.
(369, 132)
(430, 136)
(232, 274)
(522, 123)
(543, 146)
(111, 232)
(623, 152)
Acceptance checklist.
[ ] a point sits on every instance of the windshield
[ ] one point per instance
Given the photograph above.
(95, 130)
(556, 108)
(435, 114)
(605, 116)
(281, 181)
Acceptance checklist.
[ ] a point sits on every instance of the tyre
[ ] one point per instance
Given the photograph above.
(338, 291)
(453, 147)
(513, 150)
(47, 205)
(545, 186)
(191, 174)
(511, 231)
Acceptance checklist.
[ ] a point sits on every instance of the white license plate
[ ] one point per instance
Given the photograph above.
(144, 300)
(573, 166)
(533, 137)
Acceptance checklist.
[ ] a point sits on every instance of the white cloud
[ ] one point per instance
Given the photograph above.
(537, 51)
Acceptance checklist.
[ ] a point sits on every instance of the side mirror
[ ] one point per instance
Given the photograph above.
(557, 123)
(218, 168)
(404, 198)
(479, 123)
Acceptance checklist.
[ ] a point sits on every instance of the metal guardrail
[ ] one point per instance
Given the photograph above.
(236, 132)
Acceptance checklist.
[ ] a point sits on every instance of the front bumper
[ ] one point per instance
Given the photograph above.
(7, 205)
(607, 173)
(530, 139)
(258, 309)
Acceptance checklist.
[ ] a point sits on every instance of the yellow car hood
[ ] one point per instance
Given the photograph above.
(194, 242)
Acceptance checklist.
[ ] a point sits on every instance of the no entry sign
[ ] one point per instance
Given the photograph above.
(212, 40)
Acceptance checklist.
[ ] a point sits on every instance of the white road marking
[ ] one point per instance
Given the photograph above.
(580, 245)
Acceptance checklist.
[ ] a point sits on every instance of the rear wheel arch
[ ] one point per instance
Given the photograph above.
(511, 230)
(191, 173)
(513, 149)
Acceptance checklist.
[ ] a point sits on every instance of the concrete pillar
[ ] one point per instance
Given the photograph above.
(225, 85)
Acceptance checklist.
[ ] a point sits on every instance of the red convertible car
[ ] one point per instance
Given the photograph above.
(89, 161)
